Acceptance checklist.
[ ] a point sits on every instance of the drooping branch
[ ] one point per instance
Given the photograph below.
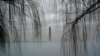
(9, 1)
(21, 10)
(73, 29)
(88, 10)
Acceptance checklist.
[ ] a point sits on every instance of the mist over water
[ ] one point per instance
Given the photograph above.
(49, 28)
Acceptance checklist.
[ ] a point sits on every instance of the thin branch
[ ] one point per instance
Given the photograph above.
(86, 12)
(84, 4)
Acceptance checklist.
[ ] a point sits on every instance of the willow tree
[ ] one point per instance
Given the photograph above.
(82, 22)
(14, 15)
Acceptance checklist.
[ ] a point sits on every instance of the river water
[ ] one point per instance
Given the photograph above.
(30, 49)
(43, 49)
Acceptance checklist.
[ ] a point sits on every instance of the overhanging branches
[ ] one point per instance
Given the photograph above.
(88, 10)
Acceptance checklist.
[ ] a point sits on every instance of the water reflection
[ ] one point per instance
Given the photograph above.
(30, 49)
(92, 49)
(2, 49)
(47, 49)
